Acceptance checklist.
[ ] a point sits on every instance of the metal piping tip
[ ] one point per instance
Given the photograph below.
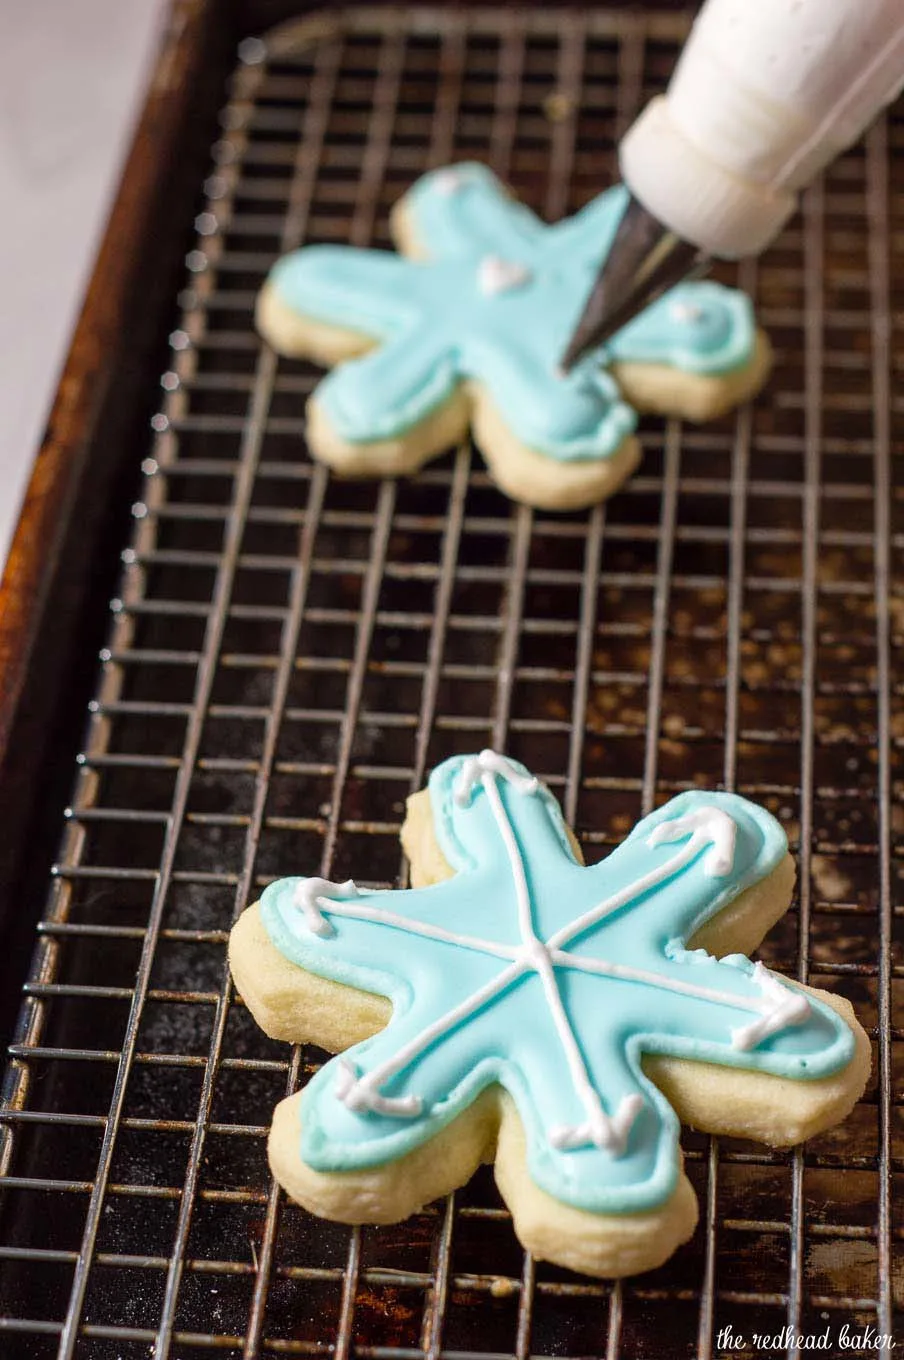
(646, 260)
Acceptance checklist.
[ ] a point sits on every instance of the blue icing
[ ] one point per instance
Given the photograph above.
(390, 1093)
(438, 322)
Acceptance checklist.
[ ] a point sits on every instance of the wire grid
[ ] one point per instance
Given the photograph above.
(290, 654)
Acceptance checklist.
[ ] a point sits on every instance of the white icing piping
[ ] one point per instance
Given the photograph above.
(311, 904)
(567, 1138)
(598, 1129)
(778, 1007)
(781, 1007)
(362, 1093)
(708, 825)
(312, 893)
(625, 973)
(516, 863)
(473, 767)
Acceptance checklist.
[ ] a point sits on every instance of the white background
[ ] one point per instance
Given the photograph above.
(73, 74)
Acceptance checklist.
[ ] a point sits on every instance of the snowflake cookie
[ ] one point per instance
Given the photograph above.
(468, 329)
(559, 1019)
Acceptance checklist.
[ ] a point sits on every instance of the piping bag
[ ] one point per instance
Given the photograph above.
(765, 93)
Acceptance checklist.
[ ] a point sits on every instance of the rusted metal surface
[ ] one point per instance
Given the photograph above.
(289, 654)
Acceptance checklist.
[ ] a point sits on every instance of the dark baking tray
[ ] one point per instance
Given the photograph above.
(289, 654)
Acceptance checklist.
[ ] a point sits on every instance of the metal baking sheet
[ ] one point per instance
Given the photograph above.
(290, 654)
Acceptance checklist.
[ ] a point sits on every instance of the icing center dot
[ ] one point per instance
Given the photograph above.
(534, 953)
(687, 312)
(496, 275)
(448, 182)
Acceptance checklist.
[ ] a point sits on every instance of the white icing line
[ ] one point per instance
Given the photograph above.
(625, 973)
(367, 1087)
(360, 1094)
(474, 767)
(781, 1007)
(777, 1007)
(360, 911)
(516, 863)
(601, 1131)
(709, 826)
(312, 892)
(705, 830)
(536, 955)
(486, 766)
(567, 1137)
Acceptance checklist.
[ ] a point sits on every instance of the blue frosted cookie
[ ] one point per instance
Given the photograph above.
(557, 1019)
(465, 329)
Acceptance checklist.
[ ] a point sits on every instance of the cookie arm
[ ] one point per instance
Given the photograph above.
(387, 392)
(464, 212)
(367, 292)
(697, 328)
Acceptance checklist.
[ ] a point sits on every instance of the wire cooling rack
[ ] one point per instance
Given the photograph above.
(290, 654)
